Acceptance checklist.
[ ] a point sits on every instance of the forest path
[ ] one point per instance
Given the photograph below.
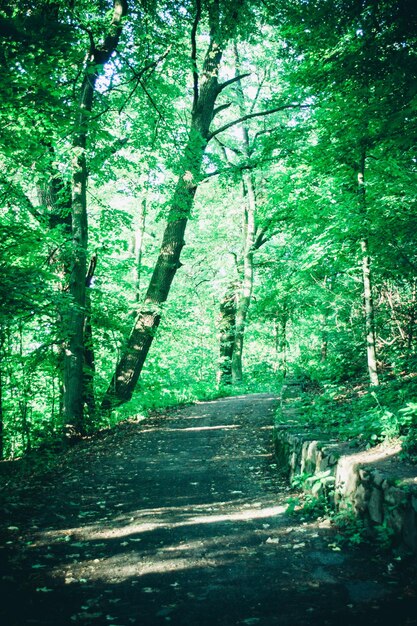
(180, 520)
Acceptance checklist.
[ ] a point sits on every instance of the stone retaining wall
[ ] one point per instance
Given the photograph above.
(374, 483)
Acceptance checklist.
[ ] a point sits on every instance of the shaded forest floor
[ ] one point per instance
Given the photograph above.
(181, 520)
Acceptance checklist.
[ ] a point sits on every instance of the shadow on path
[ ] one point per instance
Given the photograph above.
(180, 520)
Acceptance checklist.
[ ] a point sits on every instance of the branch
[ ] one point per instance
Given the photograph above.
(221, 107)
(260, 238)
(257, 114)
(258, 91)
(231, 81)
(91, 269)
(194, 52)
(138, 75)
(232, 149)
(263, 132)
(233, 168)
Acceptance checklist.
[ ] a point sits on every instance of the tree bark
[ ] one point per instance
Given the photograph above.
(54, 195)
(138, 246)
(249, 236)
(227, 326)
(206, 89)
(89, 358)
(367, 284)
(283, 344)
(1, 395)
(245, 292)
(74, 350)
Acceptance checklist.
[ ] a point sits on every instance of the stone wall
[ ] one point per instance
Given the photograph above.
(375, 484)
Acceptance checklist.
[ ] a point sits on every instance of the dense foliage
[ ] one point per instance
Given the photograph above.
(276, 140)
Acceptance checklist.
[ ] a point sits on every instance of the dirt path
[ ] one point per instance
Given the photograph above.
(180, 520)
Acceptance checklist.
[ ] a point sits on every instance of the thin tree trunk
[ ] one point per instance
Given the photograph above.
(367, 285)
(138, 247)
(227, 326)
(89, 359)
(324, 337)
(283, 346)
(246, 289)
(411, 322)
(54, 195)
(74, 352)
(1, 396)
(249, 236)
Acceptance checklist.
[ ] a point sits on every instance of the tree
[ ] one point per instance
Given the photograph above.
(97, 57)
(206, 89)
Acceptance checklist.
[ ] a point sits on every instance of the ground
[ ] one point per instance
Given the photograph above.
(181, 520)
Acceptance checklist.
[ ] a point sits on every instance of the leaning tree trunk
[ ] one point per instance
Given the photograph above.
(206, 89)
(133, 357)
(367, 285)
(74, 351)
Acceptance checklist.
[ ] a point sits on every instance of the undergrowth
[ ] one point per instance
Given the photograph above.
(368, 416)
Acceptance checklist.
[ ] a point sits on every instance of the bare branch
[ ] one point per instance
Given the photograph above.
(232, 168)
(231, 81)
(139, 75)
(257, 114)
(221, 107)
(231, 148)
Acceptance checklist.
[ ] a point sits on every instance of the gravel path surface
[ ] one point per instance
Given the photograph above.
(180, 520)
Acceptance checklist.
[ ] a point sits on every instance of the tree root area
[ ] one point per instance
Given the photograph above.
(181, 520)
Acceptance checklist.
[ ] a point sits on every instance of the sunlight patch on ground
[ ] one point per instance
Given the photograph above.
(114, 569)
(170, 517)
(196, 428)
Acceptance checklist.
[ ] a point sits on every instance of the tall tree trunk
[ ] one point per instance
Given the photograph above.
(1, 395)
(245, 294)
(249, 237)
(367, 283)
(411, 321)
(206, 90)
(89, 359)
(74, 351)
(283, 344)
(227, 324)
(54, 195)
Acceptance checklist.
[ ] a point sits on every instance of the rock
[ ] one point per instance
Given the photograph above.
(358, 479)
(377, 478)
(409, 532)
(360, 498)
(394, 496)
(375, 509)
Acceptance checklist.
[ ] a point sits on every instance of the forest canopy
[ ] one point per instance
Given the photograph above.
(201, 197)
